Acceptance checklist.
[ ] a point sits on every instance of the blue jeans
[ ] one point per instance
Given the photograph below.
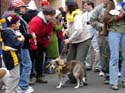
(116, 41)
(25, 69)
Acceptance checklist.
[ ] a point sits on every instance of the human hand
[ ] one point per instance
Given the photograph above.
(21, 38)
(66, 41)
(33, 35)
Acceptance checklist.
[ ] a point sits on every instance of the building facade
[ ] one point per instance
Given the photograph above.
(4, 4)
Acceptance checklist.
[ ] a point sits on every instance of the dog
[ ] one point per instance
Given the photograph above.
(63, 68)
(107, 18)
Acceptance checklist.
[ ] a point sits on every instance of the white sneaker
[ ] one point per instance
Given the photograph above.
(29, 90)
(119, 74)
(101, 74)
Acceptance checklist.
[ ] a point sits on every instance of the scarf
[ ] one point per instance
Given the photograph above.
(70, 16)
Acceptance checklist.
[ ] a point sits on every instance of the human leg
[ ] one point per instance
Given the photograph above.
(114, 41)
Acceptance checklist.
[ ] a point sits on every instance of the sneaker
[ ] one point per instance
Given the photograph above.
(32, 81)
(96, 70)
(114, 87)
(101, 74)
(29, 90)
(106, 81)
(40, 80)
(119, 74)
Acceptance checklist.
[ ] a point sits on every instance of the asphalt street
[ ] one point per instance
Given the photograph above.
(95, 85)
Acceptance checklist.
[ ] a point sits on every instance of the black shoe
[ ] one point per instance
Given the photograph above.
(106, 81)
(40, 80)
(96, 70)
(88, 68)
(114, 87)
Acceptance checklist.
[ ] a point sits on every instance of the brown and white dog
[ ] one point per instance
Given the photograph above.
(64, 68)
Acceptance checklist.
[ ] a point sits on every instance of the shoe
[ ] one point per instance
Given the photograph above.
(101, 74)
(29, 90)
(88, 68)
(96, 70)
(123, 84)
(119, 74)
(106, 81)
(114, 87)
(40, 80)
(32, 81)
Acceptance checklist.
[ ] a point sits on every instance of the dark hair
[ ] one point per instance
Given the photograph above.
(47, 10)
(90, 3)
(71, 5)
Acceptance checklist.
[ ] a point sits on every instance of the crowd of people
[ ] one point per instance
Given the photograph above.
(31, 37)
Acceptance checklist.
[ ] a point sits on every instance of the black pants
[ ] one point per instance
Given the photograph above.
(37, 57)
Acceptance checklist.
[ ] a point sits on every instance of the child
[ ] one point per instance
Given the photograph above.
(11, 48)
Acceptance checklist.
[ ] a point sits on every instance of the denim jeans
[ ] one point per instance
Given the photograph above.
(116, 41)
(25, 69)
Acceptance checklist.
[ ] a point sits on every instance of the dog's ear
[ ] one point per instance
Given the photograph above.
(58, 58)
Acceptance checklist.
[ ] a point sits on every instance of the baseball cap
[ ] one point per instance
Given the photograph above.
(45, 2)
(18, 3)
(12, 19)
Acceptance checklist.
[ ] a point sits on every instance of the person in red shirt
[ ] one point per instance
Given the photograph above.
(42, 26)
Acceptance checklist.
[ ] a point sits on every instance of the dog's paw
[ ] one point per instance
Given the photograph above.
(76, 87)
(58, 86)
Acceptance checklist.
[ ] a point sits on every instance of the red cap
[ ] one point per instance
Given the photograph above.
(45, 2)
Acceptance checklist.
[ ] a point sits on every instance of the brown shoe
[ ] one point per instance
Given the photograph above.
(40, 80)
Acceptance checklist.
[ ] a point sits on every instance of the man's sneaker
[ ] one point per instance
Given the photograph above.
(101, 74)
(114, 87)
(40, 80)
(96, 70)
(106, 81)
(29, 90)
(32, 81)
(119, 74)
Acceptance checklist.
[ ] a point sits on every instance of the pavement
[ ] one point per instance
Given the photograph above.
(95, 85)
